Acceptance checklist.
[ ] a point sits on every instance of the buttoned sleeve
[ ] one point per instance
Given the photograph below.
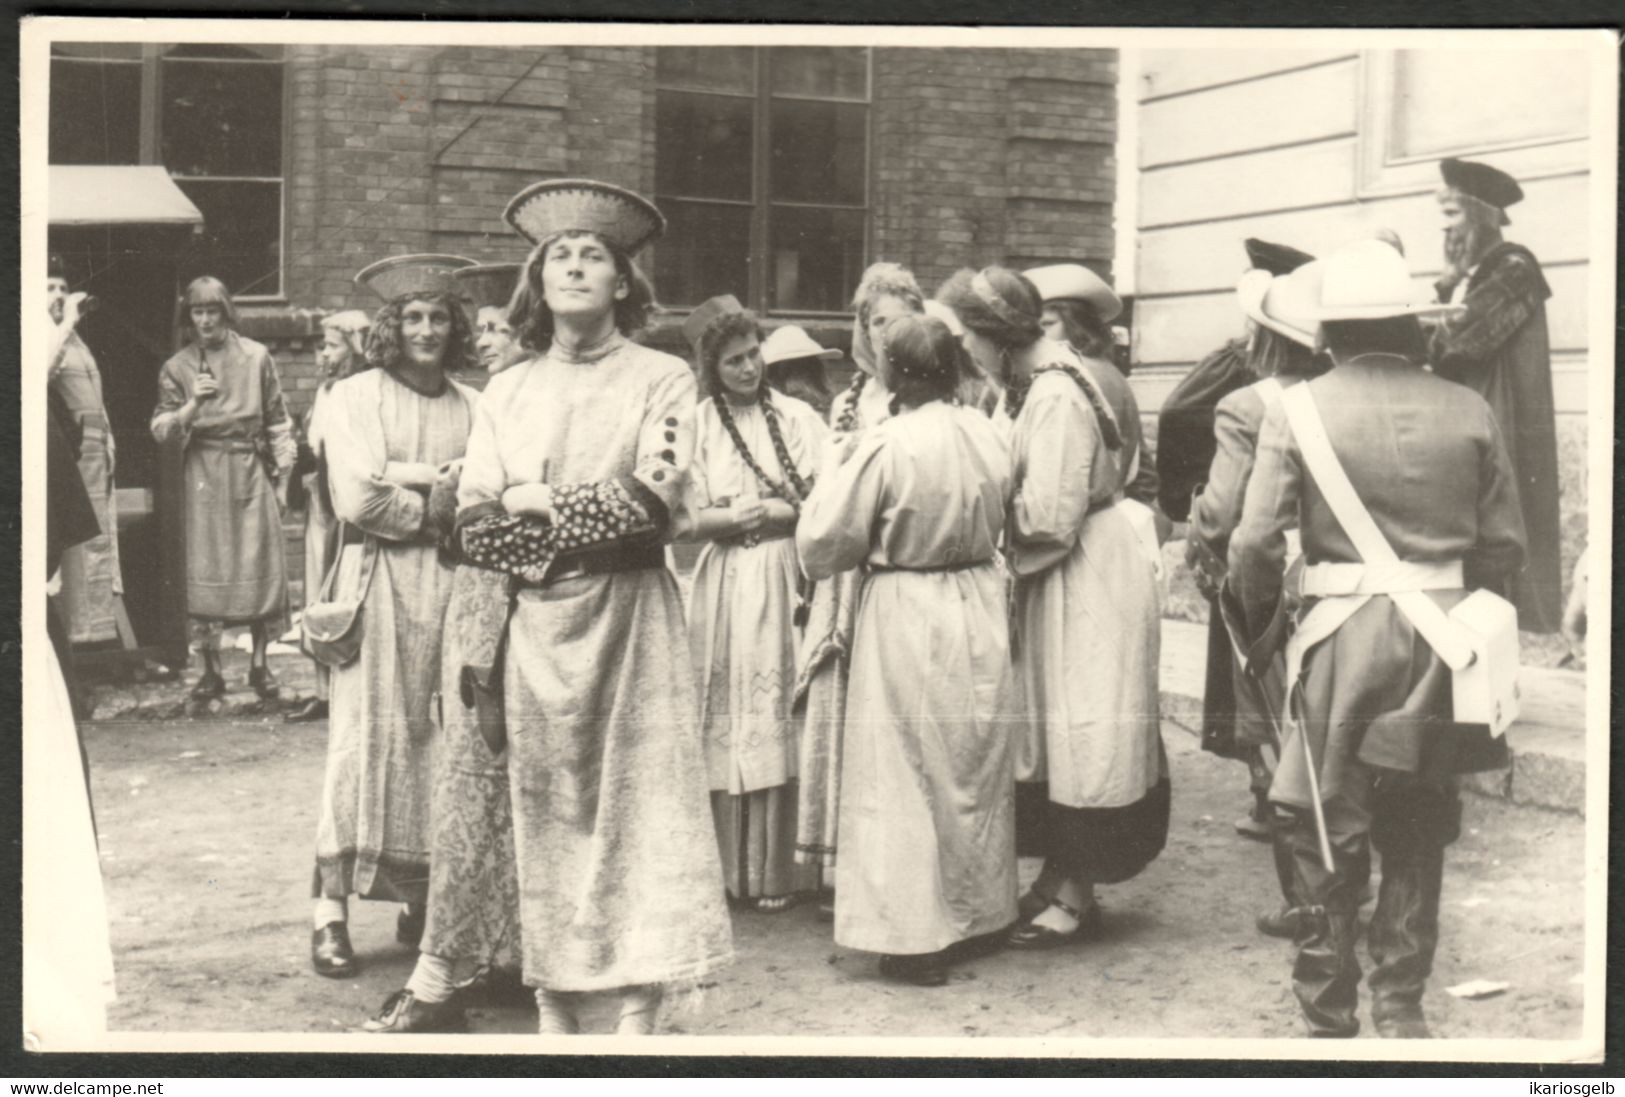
(697, 484)
(1257, 555)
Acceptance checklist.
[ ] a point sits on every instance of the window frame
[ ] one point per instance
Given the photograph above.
(761, 202)
(1384, 174)
(150, 140)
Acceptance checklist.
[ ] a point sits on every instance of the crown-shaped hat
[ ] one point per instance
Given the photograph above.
(627, 220)
(488, 285)
(1076, 282)
(418, 275)
(1483, 182)
(706, 314)
(1275, 258)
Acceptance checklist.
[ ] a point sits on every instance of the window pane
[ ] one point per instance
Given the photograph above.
(254, 52)
(1449, 100)
(95, 113)
(709, 68)
(242, 235)
(817, 258)
(703, 145)
(705, 252)
(222, 119)
(820, 152)
(821, 71)
(125, 51)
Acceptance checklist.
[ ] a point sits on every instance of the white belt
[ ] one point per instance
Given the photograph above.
(1393, 577)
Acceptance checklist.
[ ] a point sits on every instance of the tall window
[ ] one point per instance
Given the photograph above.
(211, 114)
(762, 168)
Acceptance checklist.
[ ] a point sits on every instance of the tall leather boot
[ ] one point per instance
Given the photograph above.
(1283, 922)
(1403, 936)
(1326, 972)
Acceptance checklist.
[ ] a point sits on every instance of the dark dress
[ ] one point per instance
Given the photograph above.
(1185, 443)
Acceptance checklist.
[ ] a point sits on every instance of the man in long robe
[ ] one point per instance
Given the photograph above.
(1499, 348)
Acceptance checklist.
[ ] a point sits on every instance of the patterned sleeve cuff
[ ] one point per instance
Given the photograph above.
(509, 543)
(604, 513)
(476, 511)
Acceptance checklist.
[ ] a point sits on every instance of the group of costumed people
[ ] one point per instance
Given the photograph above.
(900, 615)
(923, 634)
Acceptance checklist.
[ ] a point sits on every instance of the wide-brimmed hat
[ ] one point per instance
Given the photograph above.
(1488, 184)
(625, 219)
(1367, 280)
(789, 342)
(1283, 303)
(1076, 282)
(1273, 257)
(489, 285)
(419, 275)
(706, 314)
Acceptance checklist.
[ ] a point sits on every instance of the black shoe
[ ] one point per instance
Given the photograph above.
(1028, 937)
(1281, 923)
(402, 1013)
(331, 954)
(208, 687)
(312, 710)
(1400, 1020)
(927, 970)
(409, 927)
(264, 683)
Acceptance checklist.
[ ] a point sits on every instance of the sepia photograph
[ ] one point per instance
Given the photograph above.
(827, 540)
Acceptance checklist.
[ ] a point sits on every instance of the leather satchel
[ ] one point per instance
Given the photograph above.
(332, 628)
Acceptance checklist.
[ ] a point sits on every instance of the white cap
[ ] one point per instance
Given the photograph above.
(790, 341)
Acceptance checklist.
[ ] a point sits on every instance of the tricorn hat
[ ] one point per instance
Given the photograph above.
(1076, 282)
(417, 275)
(488, 285)
(708, 313)
(627, 220)
(791, 341)
(1367, 280)
(1487, 184)
(1275, 258)
(1283, 303)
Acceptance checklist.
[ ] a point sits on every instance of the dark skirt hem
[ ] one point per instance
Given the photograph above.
(1103, 845)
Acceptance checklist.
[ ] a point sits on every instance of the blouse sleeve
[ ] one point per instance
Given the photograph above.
(173, 392)
(484, 478)
(356, 457)
(837, 521)
(278, 424)
(1052, 495)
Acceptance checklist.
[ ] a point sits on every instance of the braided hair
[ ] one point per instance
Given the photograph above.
(848, 419)
(1016, 397)
(718, 334)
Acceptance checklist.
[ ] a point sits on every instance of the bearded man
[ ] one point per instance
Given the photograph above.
(1499, 348)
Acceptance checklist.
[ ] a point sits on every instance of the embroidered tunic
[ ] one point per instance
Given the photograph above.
(619, 881)
(927, 807)
(373, 838)
(234, 566)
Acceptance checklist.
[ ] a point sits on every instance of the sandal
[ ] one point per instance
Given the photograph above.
(1030, 937)
(1031, 905)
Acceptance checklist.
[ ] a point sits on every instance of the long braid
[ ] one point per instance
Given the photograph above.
(1016, 396)
(798, 487)
(849, 414)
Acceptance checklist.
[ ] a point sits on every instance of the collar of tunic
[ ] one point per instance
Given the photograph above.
(588, 354)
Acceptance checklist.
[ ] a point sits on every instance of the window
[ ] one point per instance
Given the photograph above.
(762, 169)
(211, 114)
(1527, 111)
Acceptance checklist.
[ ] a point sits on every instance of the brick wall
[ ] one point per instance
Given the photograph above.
(977, 156)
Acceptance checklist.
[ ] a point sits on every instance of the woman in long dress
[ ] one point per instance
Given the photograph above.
(342, 353)
(472, 926)
(392, 429)
(220, 400)
(885, 292)
(927, 810)
(574, 469)
(755, 453)
(1086, 620)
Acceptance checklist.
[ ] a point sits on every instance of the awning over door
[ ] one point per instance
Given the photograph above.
(122, 194)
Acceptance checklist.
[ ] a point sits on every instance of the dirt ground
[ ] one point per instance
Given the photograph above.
(207, 832)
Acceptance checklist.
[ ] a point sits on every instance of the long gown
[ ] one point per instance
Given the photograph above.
(927, 810)
(373, 838)
(90, 572)
(821, 686)
(743, 642)
(1087, 623)
(234, 565)
(619, 880)
(321, 525)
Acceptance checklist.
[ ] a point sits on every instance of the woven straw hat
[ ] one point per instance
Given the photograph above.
(628, 221)
(418, 275)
